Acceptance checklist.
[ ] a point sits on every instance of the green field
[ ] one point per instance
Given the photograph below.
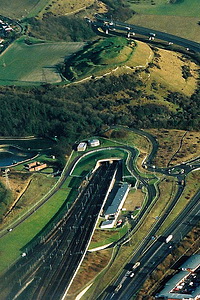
(33, 64)
(180, 19)
(11, 245)
(19, 9)
(184, 8)
(89, 161)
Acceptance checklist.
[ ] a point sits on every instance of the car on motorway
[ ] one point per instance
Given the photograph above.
(132, 274)
(136, 265)
(118, 288)
(119, 223)
(152, 34)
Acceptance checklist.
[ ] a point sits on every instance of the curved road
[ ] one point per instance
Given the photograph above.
(110, 24)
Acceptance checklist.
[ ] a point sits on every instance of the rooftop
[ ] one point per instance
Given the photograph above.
(192, 263)
(186, 283)
(112, 209)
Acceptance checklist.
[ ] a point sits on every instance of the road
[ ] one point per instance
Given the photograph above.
(48, 268)
(180, 172)
(155, 254)
(127, 28)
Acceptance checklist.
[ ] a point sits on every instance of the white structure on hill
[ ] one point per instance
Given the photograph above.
(93, 143)
(82, 146)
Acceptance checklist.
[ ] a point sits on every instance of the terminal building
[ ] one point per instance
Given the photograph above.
(113, 210)
(185, 284)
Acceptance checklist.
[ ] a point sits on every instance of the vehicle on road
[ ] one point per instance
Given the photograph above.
(169, 238)
(118, 288)
(136, 265)
(128, 273)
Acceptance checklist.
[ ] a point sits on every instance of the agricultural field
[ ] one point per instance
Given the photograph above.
(18, 9)
(180, 18)
(185, 8)
(35, 63)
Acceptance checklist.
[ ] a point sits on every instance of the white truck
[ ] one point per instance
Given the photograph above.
(136, 265)
(169, 238)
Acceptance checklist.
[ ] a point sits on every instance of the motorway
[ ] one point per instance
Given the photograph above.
(149, 258)
(130, 28)
(155, 253)
(48, 269)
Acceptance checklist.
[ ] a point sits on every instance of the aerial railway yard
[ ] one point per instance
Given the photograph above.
(46, 261)
(60, 252)
(47, 269)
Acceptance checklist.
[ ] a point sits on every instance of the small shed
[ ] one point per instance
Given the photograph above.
(82, 146)
(93, 143)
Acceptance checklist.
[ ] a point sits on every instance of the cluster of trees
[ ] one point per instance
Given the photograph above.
(79, 110)
(60, 28)
(187, 117)
(186, 72)
(118, 10)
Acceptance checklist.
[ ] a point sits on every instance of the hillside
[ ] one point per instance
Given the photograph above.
(117, 55)
(106, 56)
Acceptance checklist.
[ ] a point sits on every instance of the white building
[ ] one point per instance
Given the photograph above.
(118, 201)
(93, 143)
(107, 224)
(82, 146)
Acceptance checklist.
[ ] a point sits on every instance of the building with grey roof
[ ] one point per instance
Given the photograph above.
(107, 224)
(93, 143)
(191, 263)
(186, 283)
(118, 201)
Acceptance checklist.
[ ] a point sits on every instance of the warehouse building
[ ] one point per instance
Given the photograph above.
(114, 208)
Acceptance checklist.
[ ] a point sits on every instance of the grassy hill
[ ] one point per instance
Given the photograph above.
(117, 55)
(114, 54)
(33, 63)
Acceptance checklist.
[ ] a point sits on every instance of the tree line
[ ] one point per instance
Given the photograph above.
(79, 110)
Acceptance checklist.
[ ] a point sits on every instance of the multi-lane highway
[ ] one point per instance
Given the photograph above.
(113, 26)
(125, 287)
(47, 270)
